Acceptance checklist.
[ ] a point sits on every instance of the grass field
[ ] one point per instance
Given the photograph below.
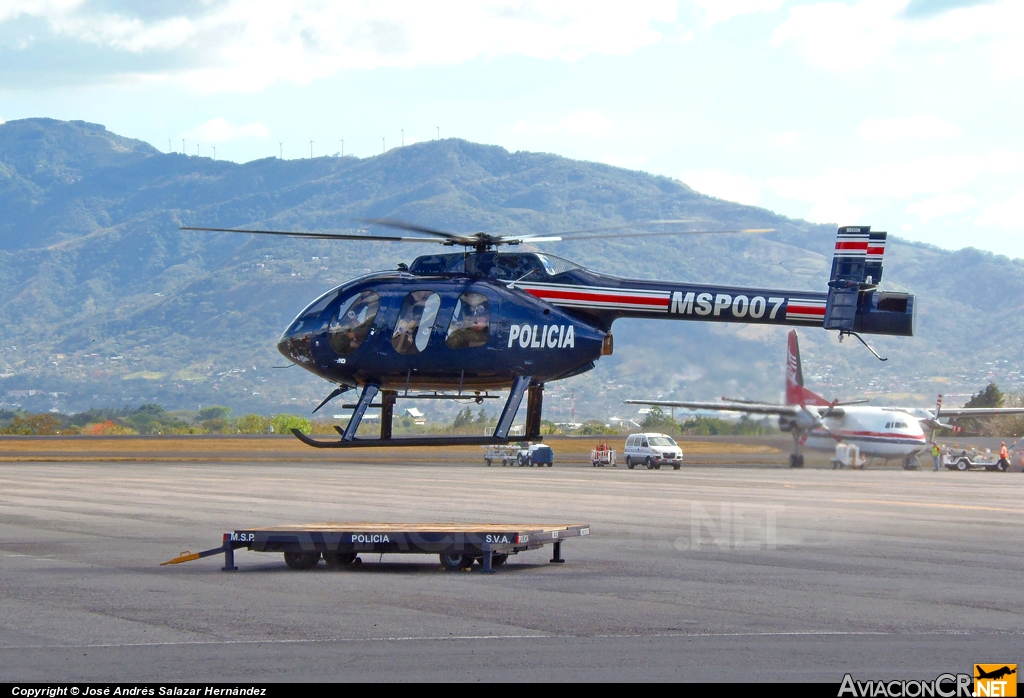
(286, 448)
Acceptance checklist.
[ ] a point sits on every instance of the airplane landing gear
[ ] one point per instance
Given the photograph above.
(796, 459)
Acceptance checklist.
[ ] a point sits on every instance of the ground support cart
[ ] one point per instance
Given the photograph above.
(973, 459)
(339, 544)
(602, 457)
(506, 455)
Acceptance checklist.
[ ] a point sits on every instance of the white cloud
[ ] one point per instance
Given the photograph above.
(900, 180)
(787, 139)
(220, 131)
(722, 185)
(1008, 59)
(714, 11)
(941, 206)
(832, 192)
(591, 124)
(248, 44)
(835, 210)
(1009, 213)
(923, 127)
(843, 37)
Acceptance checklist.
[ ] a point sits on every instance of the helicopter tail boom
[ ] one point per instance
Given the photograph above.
(852, 302)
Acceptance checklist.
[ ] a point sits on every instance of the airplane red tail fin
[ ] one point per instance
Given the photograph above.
(796, 393)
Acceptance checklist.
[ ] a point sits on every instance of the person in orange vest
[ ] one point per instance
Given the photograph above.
(1004, 457)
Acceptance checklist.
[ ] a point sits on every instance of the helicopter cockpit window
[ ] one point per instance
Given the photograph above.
(556, 265)
(508, 267)
(415, 322)
(471, 321)
(350, 325)
(439, 264)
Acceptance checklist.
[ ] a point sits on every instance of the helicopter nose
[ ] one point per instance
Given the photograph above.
(295, 343)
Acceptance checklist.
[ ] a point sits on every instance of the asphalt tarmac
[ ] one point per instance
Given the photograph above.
(708, 573)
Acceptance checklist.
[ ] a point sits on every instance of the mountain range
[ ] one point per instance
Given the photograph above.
(104, 301)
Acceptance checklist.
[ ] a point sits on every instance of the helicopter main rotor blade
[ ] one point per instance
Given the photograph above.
(622, 226)
(321, 236)
(413, 228)
(560, 238)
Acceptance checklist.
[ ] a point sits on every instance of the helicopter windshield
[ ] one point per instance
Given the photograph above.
(350, 325)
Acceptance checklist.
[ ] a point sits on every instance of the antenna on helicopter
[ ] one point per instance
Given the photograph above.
(280, 146)
(311, 148)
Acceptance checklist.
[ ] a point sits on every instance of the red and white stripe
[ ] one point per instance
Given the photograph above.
(876, 248)
(805, 309)
(852, 242)
(600, 298)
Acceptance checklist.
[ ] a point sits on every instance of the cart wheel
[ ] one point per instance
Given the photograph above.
(551, 464)
(499, 559)
(629, 462)
(336, 560)
(676, 466)
(488, 462)
(963, 465)
(648, 463)
(503, 462)
(301, 561)
(453, 562)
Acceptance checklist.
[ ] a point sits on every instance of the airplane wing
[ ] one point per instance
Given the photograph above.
(749, 407)
(978, 411)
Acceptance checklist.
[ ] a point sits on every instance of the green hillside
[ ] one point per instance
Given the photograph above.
(104, 301)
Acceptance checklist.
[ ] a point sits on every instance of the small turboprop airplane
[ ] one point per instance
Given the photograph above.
(814, 422)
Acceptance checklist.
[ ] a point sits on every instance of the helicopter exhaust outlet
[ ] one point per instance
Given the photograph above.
(607, 345)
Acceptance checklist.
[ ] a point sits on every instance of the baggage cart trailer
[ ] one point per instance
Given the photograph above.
(339, 544)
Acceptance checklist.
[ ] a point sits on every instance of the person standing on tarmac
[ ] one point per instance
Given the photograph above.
(1004, 456)
(937, 456)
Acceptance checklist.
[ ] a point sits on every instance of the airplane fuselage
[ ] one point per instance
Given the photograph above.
(878, 433)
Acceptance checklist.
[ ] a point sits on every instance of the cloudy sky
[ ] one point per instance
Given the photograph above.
(902, 114)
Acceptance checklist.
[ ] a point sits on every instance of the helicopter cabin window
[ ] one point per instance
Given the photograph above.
(415, 322)
(471, 322)
(352, 322)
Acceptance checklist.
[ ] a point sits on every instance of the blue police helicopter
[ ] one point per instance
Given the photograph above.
(464, 325)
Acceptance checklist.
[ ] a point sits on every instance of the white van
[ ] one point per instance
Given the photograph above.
(652, 450)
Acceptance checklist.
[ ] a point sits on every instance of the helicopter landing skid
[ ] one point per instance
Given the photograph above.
(520, 387)
(407, 441)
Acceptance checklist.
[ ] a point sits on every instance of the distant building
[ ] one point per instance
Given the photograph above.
(416, 415)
